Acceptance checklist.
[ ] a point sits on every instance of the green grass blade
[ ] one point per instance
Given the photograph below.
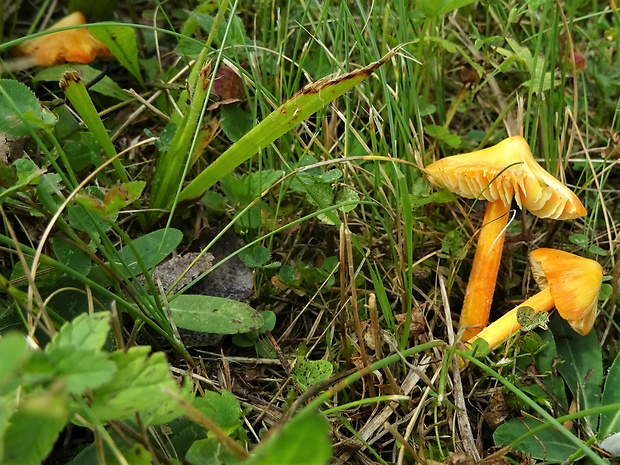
(77, 94)
(302, 105)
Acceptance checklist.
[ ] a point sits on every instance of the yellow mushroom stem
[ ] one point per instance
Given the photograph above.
(500, 330)
(481, 286)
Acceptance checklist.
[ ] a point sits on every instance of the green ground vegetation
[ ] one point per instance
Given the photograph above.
(299, 133)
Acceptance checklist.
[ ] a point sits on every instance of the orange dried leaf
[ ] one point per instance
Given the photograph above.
(72, 46)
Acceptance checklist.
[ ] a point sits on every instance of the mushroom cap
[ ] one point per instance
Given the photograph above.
(71, 46)
(574, 283)
(504, 171)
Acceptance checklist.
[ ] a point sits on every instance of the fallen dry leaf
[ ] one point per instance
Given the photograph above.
(72, 46)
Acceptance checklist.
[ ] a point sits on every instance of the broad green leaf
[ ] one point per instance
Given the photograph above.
(308, 372)
(255, 257)
(331, 176)
(14, 344)
(139, 385)
(235, 121)
(320, 194)
(299, 107)
(214, 314)
(70, 255)
(581, 367)
(223, 409)
(210, 451)
(346, 195)
(152, 249)
(610, 421)
(86, 332)
(549, 444)
(545, 360)
(20, 110)
(27, 173)
(106, 86)
(579, 239)
(49, 192)
(121, 40)
(302, 441)
(120, 196)
(34, 428)
(84, 213)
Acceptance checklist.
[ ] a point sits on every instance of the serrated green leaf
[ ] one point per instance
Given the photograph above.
(214, 314)
(82, 369)
(121, 40)
(87, 332)
(139, 385)
(20, 110)
(34, 428)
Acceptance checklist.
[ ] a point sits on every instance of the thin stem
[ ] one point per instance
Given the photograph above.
(500, 330)
(481, 286)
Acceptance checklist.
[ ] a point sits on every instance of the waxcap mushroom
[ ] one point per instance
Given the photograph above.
(574, 283)
(504, 171)
(499, 174)
(568, 282)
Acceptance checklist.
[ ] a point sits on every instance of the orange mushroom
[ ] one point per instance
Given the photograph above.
(71, 46)
(498, 174)
(568, 282)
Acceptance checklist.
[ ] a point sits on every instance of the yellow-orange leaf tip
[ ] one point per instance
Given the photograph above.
(72, 46)
(574, 283)
(503, 172)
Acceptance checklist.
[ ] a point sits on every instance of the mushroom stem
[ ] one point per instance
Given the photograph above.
(501, 329)
(481, 286)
